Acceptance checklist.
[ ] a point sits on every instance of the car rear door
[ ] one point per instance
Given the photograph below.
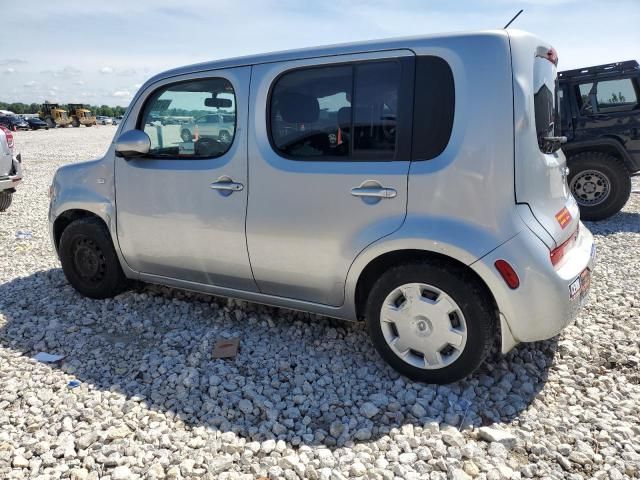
(329, 155)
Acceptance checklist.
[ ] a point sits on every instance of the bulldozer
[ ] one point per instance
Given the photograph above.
(81, 115)
(53, 115)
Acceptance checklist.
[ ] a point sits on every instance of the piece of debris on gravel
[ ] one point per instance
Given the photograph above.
(306, 396)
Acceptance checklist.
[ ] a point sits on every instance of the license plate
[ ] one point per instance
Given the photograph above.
(581, 284)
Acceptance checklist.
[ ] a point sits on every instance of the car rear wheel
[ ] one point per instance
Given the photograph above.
(89, 260)
(600, 183)
(5, 200)
(430, 321)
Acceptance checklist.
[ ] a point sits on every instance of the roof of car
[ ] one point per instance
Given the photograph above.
(326, 50)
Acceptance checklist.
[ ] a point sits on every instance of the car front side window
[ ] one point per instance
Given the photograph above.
(172, 113)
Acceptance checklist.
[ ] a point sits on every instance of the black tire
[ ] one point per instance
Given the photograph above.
(470, 298)
(5, 200)
(588, 169)
(89, 260)
(186, 135)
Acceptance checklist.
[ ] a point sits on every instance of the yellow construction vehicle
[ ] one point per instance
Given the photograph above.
(81, 115)
(54, 115)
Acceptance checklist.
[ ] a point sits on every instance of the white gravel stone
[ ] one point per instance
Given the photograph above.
(306, 397)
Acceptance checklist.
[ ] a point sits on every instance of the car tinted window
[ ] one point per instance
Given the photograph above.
(172, 114)
(616, 94)
(433, 109)
(316, 114)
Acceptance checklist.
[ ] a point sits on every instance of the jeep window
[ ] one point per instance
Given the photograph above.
(584, 101)
(545, 86)
(315, 114)
(171, 114)
(616, 95)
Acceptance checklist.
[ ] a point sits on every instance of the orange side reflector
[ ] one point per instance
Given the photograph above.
(564, 217)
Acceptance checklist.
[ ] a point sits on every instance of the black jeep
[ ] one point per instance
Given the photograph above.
(600, 116)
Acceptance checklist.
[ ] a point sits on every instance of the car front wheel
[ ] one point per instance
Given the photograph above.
(430, 321)
(89, 260)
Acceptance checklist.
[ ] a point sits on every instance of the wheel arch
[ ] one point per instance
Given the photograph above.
(610, 145)
(63, 220)
(375, 267)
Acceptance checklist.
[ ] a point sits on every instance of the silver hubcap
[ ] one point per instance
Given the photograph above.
(590, 187)
(423, 326)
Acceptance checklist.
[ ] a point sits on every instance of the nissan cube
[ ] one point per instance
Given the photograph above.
(414, 184)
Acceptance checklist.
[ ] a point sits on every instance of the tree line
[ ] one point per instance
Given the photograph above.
(20, 108)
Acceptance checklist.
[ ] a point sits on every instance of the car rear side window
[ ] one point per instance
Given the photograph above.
(338, 112)
(181, 119)
(433, 107)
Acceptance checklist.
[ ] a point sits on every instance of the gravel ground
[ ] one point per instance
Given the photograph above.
(307, 397)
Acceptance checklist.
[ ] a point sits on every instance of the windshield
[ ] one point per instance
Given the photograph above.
(545, 89)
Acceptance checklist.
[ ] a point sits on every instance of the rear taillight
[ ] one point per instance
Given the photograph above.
(552, 56)
(557, 254)
(9, 135)
(508, 274)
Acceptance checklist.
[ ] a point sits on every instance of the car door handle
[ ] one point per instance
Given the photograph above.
(227, 186)
(379, 192)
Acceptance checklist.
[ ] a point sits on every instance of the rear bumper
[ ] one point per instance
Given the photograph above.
(10, 182)
(544, 303)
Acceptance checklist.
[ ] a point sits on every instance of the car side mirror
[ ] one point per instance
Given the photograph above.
(133, 143)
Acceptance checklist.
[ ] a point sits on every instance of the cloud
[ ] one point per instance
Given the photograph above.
(126, 72)
(79, 82)
(121, 94)
(12, 61)
(106, 70)
(31, 84)
(10, 70)
(137, 86)
(63, 72)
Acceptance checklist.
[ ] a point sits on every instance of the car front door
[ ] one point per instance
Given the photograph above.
(328, 159)
(181, 209)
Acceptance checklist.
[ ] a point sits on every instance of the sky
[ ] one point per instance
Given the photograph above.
(100, 53)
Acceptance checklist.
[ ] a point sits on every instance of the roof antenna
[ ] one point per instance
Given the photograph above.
(511, 21)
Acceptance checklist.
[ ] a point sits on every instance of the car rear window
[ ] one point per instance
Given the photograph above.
(545, 87)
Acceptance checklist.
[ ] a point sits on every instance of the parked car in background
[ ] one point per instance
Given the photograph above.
(217, 125)
(600, 116)
(10, 168)
(13, 122)
(438, 232)
(116, 120)
(36, 123)
(102, 120)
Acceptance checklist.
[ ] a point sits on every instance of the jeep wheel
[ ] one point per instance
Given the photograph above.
(5, 200)
(600, 183)
(430, 321)
(89, 260)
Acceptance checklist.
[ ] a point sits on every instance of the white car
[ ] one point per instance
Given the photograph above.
(102, 120)
(10, 169)
(219, 126)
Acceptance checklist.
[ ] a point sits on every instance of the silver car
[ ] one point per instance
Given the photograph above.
(415, 184)
(216, 125)
(10, 169)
